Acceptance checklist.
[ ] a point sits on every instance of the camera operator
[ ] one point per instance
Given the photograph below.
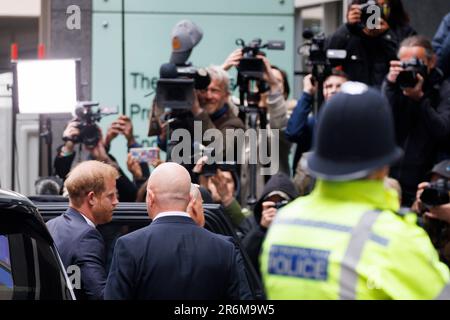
(273, 106)
(419, 99)
(434, 208)
(301, 124)
(369, 50)
(214, 110)
(66, 153)
(441, 45)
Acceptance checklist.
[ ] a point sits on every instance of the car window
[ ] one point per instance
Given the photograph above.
(29, 265)
(6, 280)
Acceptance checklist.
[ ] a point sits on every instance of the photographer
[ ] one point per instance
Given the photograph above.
(273, 105)
(419, 99)
(301, 124)
(369, 50)
(223, 187)
(278, 192)
(435, 215)
(214, 110)
(66, 153)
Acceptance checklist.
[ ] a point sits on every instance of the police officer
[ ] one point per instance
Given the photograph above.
(345, 240)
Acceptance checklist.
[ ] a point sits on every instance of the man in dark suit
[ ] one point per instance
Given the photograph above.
(92, 192)
(173, 257)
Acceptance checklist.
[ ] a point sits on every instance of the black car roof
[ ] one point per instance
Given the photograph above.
(11, 196)
(16, 202)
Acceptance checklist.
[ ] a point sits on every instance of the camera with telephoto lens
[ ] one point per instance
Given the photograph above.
(436, 194)
(87, 118)
(411, 68)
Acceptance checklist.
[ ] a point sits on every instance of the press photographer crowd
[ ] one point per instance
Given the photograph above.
(341, 194)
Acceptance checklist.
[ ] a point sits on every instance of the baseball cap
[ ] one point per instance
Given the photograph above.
(185, 36)
(442, 169)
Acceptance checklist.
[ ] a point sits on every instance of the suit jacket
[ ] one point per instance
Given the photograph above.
(80, 244)
(173, 258)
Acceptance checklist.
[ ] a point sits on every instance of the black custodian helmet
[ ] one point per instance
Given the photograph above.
(355, 135)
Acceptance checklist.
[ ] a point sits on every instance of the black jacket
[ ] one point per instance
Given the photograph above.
(421, 129)
(173, 258)
(253, 239)
(368, 59)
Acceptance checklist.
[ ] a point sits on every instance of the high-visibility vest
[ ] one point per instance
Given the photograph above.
(345, 241)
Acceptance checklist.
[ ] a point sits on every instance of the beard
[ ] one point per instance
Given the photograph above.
(102, 214)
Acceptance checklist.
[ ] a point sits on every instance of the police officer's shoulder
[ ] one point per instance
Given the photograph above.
(408, 216)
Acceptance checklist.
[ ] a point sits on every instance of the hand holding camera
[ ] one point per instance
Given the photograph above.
(364, 14)
(415, 93)
(410, 76)
(232, 60)
(123, 126)
(268, 76)
(69, 136)
(134, 167)
(88, 133)
(394, 71)
(309, 85)
(269, 212)
(434, 199)
(223, 187)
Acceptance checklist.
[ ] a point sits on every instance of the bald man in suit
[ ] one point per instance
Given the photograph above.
(172, 258)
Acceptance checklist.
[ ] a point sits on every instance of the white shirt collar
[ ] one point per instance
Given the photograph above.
(171, 213)
(89, 222)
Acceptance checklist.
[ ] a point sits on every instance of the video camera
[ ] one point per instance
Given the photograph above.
(251, 70)
(175, 88)
(199, 75)
(436, 194)
(250, 66)
(408, 77)
(320, 59)
(87, 118)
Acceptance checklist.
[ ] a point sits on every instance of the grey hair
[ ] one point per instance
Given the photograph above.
(217, 73)
(195, 192)
(419, 41)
